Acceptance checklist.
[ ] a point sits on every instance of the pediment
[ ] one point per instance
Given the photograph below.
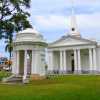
(70, 41)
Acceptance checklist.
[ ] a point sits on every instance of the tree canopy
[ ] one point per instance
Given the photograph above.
(13, 17)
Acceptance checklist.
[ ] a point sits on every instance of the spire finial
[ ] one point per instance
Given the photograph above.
(73, 26)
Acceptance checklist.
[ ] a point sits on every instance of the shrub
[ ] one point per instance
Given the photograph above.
(4, 74)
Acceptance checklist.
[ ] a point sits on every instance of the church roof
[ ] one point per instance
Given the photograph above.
(71, 40)
(29, 35)
(29, 30)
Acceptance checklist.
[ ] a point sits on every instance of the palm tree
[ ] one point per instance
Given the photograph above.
(9, 48)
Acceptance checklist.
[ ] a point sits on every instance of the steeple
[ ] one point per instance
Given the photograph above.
(73, 23)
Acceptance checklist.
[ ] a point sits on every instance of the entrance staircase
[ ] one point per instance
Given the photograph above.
(13, 79)
(22, 79)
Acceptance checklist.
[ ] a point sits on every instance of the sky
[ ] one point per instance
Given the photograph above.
(51, 18)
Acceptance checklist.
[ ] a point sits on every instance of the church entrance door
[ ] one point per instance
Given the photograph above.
(72, 64)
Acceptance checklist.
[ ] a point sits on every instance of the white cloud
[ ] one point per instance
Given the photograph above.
(51, 16)
(51, 22)
(88, 22)
(60, 7)
(63, 2)
(86, 2)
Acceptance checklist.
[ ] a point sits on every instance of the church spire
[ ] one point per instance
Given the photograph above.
(73, 22)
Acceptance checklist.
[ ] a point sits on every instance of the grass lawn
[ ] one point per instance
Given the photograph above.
(69, 87)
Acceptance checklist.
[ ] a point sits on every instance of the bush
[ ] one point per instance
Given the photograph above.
(4, 74)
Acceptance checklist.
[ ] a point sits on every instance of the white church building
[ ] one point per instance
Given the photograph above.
(71, 54)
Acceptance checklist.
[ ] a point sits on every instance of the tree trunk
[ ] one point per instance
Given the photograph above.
(9, 61)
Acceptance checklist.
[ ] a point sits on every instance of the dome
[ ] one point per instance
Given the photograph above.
(29, 35)
(29, 30)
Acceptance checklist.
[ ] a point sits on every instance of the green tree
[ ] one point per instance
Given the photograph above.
(13, 16)
(9, 48)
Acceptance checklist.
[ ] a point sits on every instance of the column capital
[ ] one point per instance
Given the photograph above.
(90, 48)
(49, 51)
(26, 50)
(75, 49)
(61, 50)
(78, 49)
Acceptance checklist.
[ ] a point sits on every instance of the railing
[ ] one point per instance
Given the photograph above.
(57, 72)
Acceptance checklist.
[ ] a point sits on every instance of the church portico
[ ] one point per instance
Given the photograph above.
(76, 61)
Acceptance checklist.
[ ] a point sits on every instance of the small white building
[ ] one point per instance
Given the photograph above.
(29, 53)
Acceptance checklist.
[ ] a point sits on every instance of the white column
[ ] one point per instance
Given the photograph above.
(25, 63)
(65, 65)
(79, 61)
(94, 60)
(33, 69)
(37, 61)
(61, 62)
(75, 60)
(14, 63)
(17, 62)
(90, 60)
(50, 61)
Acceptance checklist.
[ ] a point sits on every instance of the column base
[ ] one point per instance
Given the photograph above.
(78, 72)
(93, 72)
(62, 72)
(25, 79)
(65, 72)
(50, 72)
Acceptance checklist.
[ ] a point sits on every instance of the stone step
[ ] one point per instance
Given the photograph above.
(13, 79)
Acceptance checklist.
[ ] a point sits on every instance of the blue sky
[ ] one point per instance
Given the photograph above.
(51, 18)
